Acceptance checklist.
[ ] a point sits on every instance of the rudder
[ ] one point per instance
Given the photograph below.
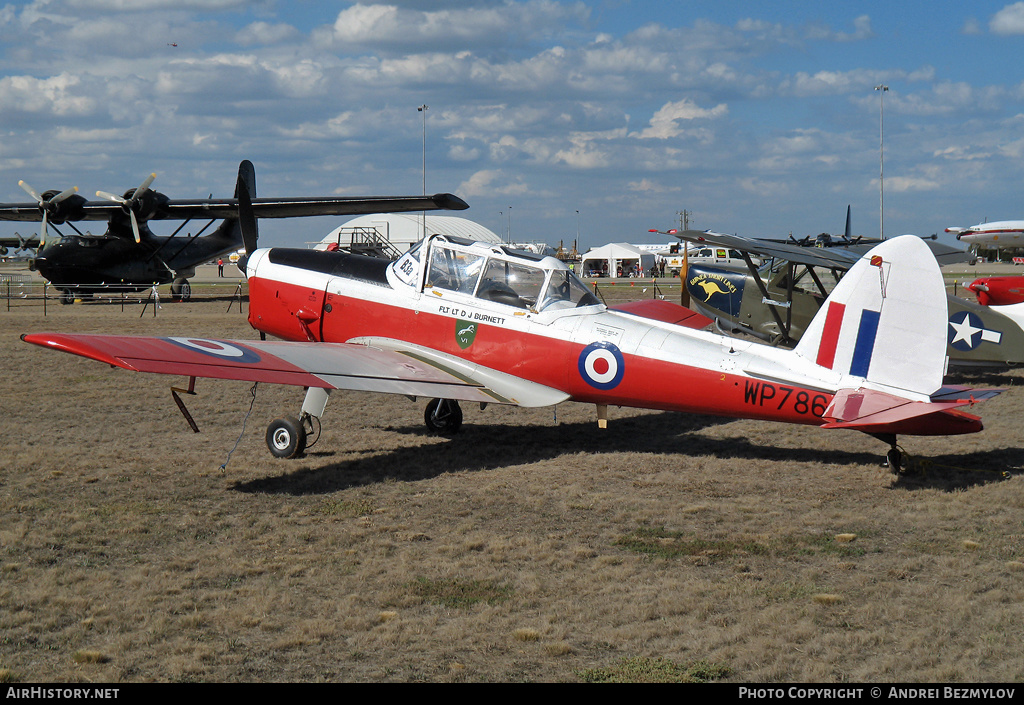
(885, 322)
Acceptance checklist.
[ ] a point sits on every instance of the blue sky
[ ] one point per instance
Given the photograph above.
(756, 118)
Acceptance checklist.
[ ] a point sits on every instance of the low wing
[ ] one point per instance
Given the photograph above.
(395, 369)
(664, 311)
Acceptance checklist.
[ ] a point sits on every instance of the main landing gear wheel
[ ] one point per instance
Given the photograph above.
(443, 416)
(67, 297)
(286, 438)
(181, 290)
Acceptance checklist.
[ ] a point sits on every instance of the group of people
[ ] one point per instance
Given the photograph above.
(636, 271)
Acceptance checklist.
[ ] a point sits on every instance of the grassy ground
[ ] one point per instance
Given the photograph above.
(531, 547)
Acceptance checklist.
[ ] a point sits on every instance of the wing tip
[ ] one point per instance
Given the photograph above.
(448, 201)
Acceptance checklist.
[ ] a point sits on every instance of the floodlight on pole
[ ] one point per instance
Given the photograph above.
(423, 109)
(881, 165)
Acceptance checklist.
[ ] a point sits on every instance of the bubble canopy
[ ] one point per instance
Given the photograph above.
(493, 273)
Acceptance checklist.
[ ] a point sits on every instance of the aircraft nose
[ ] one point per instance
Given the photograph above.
(980, 289)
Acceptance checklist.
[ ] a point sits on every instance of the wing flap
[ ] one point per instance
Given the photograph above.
(515, 390)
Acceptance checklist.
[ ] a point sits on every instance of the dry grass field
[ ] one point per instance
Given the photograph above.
(530, 547)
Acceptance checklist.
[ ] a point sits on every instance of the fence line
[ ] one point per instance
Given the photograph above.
(22, 291)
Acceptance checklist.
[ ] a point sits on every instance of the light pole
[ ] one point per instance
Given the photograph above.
(423, 109)
(881, 170)
(684, 294)
(576, 243)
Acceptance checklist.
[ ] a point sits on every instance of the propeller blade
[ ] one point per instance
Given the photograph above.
(64, 194)
(135, 227)
(31, 192)
(42, 234)
(110, 197)
(145, 186)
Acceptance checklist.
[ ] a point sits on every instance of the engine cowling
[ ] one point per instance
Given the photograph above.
(998, 291)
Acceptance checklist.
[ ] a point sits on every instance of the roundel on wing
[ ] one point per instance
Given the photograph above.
(217, 348)
(601, 365)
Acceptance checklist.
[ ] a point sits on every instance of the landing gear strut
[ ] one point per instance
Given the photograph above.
(443, 416)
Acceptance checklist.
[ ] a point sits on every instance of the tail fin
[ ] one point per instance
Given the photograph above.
(245, 191)
(885, 322)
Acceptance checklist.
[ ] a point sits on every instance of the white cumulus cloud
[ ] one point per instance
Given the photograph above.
(1009, 20)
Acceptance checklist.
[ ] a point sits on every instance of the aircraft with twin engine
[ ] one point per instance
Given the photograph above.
(459, 321)
(130, 257)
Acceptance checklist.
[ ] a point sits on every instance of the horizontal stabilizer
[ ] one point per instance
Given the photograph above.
(873, 411)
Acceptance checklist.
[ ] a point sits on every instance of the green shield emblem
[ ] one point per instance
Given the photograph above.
(465, 333)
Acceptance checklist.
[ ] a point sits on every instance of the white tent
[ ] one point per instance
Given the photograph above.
(616, 260)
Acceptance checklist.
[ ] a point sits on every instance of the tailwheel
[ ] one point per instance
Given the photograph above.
(895, 460)
(286, 438)
(443, 416)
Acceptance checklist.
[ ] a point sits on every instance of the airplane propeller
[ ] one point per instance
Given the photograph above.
(130, 202)
(22, 242)
(47, 205)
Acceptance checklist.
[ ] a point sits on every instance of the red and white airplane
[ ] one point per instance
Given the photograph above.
(455, 320)
(1002, 233)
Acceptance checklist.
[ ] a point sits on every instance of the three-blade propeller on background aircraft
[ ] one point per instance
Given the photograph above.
(46, 205)
(128, 203)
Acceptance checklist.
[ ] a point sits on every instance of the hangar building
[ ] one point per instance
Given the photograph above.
(394, 233)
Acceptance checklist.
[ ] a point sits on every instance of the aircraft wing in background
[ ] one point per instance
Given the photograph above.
(836, 257)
